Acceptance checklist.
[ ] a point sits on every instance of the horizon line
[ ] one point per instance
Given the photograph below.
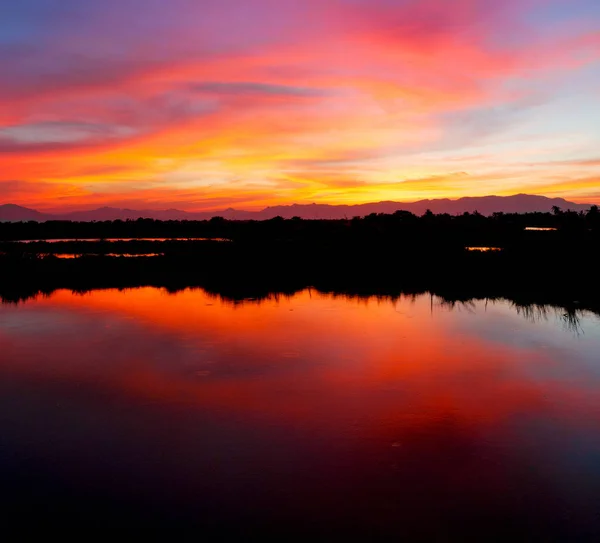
(55, 211)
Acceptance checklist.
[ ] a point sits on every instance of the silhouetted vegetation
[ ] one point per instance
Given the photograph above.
(468, 228)
(377, 254)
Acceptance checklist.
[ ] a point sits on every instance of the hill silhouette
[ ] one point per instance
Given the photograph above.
(486, 205)
(14, 213)
(536, 257)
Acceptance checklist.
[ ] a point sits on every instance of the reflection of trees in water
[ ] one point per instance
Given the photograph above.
(236, 295)
(469, 306)
(533, 312)
(569, 316)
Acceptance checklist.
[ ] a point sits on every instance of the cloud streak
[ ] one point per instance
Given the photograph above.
(332, 101)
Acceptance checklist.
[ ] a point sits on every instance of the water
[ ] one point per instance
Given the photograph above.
(96, 240)
(309, 415)
(70, 256)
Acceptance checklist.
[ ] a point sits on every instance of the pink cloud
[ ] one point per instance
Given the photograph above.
(266, 89)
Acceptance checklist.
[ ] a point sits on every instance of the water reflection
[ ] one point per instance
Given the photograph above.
(302, 414)
(483, 249)
(80, 255)
(96, 240)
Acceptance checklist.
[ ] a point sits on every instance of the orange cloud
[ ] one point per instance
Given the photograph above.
(337, 102)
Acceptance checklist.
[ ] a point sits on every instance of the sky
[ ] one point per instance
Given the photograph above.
(212, 104)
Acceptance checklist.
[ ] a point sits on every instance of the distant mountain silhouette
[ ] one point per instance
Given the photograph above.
(486, 205)
(13, 212)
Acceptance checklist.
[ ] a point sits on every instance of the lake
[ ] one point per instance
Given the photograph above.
(111, 240)
(70, 256)
(310, 415)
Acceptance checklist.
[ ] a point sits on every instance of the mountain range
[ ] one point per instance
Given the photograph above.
(486, 205)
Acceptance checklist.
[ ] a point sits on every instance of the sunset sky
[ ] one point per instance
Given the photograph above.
(210, 104)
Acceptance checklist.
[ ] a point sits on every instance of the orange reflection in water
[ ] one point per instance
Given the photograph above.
(70, 256)
(374, 414)
(483, 249)
(301, 355)
(97, 240)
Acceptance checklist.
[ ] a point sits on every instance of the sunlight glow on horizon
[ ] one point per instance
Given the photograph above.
(247, 104)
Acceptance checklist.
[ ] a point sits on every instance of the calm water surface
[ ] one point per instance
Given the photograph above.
(295, 416)
(96, 240)
(70, 256)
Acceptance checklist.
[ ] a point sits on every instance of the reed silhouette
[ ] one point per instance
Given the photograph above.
(377, 254)
(471, 226)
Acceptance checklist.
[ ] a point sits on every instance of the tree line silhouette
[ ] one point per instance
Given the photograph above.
(376, 254)
(497, 226)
